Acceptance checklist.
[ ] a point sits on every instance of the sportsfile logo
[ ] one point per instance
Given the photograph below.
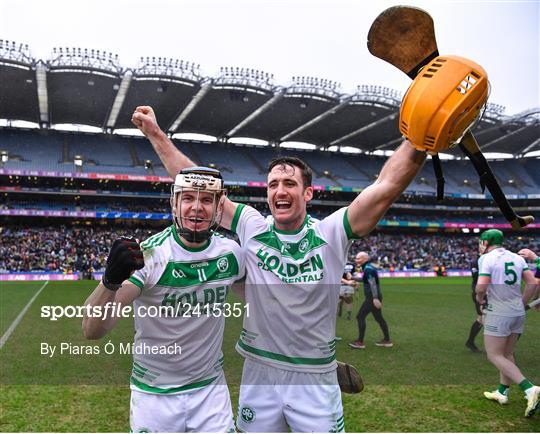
(185, 306)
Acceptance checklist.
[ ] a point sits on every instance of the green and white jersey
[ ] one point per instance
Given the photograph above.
(292, 287)
(179, 281)
(504, 292)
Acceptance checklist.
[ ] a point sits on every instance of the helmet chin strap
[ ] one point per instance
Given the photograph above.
(194, 236)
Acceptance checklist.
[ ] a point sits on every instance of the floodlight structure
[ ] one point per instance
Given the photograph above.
(168, 67)
(377, 94)
(84, 58)
(314, 86)
(15, 52)
(494, 112)
(244, 77)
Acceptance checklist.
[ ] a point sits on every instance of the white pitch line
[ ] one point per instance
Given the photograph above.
(19, 318)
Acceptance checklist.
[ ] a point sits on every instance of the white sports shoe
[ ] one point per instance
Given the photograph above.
(533, 401)
(497, 396)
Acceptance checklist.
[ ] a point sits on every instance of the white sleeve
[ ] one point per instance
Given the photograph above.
(484, 266)
(247, 222)
(337, 231)
(148, 276)
(523, 264)
(241, 255)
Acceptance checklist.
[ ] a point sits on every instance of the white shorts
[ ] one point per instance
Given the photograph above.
(503, 326)
(203, 410)
(275, 400)
(346, 290)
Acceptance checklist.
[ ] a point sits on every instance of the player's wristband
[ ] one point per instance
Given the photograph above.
(110, 286)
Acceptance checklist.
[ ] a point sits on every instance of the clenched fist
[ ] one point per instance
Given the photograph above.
(145, 120)
(124, 258)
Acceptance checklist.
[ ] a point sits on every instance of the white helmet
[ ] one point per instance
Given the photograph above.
(198, 179)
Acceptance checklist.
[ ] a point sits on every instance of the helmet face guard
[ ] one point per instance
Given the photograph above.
(198, 180)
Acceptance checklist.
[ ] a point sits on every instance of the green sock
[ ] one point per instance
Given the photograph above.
(503, 388)
(525, 384)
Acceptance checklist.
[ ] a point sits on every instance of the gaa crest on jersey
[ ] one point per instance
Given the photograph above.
(303, 246)
(223, 264)
(247, 414)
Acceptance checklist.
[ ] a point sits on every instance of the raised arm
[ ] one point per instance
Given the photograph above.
(145, 120)
(372, 203)
(172, 158)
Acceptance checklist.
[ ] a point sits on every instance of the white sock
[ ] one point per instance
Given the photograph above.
(529, 391)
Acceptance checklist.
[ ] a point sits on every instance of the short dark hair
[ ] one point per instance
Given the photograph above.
(307, 174)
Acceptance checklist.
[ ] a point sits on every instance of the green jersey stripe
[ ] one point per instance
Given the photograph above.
(237, 213)
(152, 389)
(157, 239)
(136, 282)
(193, 273)
(139, 366)
(348, 230)
(137, 373)
(485, 274)
(144, 370)
(288, 359)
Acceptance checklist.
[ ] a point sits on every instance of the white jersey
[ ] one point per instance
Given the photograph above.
(292, 287)
(504, 292)
(180, 281)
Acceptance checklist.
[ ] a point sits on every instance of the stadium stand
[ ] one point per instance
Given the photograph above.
(55, 151)
(84, 87)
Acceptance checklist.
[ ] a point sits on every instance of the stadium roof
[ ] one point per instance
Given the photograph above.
(89, 87)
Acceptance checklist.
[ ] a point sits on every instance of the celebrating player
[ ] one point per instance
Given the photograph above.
(186, 273)
(372, 304)
(500, 275)
(294, 265)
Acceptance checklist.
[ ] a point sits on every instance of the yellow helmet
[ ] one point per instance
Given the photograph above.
(442, 103)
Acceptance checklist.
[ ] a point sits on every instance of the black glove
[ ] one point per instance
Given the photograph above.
(124, 258)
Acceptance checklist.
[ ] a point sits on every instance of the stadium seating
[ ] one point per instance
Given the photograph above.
(54, 151)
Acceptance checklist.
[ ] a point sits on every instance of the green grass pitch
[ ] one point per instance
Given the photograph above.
(428, 382)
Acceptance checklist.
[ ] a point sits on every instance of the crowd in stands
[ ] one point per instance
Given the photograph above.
(85, 249)
(62, 249)
(395, 252)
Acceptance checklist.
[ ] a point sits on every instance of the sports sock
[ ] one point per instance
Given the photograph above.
(503, 389)
(475, 329)
(525, 385)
